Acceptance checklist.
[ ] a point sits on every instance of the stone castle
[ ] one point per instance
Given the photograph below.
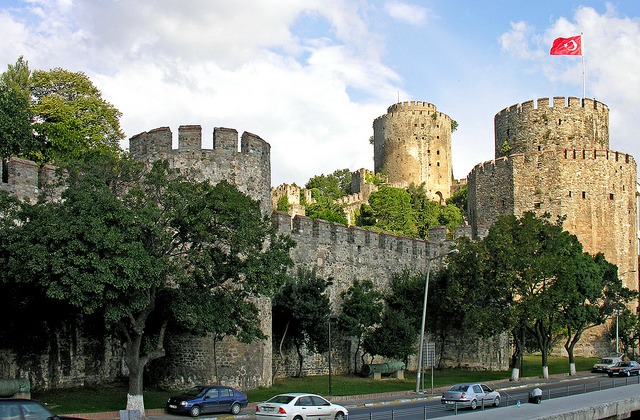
(550, 157)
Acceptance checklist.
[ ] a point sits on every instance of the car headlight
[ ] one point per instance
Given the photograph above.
(183, 403)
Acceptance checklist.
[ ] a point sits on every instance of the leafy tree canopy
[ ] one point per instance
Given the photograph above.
(138, 245)
(67, 115)
(333, 186)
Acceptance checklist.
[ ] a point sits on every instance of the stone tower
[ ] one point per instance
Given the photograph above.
(412, 144)
(554, 157)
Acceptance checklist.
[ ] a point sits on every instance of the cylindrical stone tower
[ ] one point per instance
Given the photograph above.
(412, 144)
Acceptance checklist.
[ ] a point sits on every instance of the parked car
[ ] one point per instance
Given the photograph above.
(299, 406)
(624, 369)
(203, 399)
(605, 363)
(24, 409)
(470, 395)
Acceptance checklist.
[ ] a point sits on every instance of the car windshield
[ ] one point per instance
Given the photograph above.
(195, 391)
(280, 399)
(460, 388)
(623, 364)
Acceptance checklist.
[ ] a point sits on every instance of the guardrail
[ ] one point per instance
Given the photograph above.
(508, 399)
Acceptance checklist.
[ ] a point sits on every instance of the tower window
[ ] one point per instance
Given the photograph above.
(584, 194)
(570, 194)
(610, 196)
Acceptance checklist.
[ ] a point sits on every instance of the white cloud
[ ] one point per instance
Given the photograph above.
(410, 13)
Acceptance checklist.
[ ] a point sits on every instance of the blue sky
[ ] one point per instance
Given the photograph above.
(310, 76)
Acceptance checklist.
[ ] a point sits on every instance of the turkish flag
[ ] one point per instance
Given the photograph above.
(567, 46)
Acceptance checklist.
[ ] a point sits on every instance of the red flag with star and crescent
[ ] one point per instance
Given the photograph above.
(567, 46)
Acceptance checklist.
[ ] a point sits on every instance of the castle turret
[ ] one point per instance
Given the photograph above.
(412, 144)
(249, 168)
(532, 127)
(556, 160)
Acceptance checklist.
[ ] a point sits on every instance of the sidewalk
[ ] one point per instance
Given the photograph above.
(351, 401)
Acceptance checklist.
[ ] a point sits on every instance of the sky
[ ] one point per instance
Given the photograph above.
(310, 76)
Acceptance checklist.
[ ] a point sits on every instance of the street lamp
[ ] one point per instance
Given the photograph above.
(617, 313)
(332, 318)
(424, 312)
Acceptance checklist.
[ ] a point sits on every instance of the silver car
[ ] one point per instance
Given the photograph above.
(470, 395)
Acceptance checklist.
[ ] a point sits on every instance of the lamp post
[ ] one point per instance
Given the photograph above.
(617, 313)
(332, 318)
(424, 313)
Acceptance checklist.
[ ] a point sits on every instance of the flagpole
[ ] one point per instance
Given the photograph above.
(584, 74)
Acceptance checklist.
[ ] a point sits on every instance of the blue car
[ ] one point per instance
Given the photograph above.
(203, 399)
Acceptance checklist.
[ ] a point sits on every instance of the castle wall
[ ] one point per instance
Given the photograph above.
(535, 126)
(192, 359)
(23, 179)
(248, 168)
(594, 189)
(412, 144)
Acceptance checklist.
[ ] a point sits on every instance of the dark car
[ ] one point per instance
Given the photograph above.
(208, 399)
(23, 409)
(624, 369)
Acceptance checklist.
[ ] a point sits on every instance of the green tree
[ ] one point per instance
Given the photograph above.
(361, 311)
(396, 335)
(326, 209)
(627, 329)
(459, 199)
(15, 116)
(301, 310)
(283, 204)
(140, 248)
(333, 186)
(70, 117)
(590, 297)
(391, 209)
(425, 210)
(541, 264)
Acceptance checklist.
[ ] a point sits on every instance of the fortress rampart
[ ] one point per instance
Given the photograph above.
(412, 144)
(249, 168)
(593, 188)
(535, 126)
(23, 179)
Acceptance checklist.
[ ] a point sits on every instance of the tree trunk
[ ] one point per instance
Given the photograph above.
(569, 345)
(300, 360)
(516, 357)
(133, 332)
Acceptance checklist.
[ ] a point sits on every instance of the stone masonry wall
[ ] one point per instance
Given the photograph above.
(248, 168)
(570, 123)
(412, 144)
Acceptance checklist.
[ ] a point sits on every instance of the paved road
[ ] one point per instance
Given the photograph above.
(513, 391)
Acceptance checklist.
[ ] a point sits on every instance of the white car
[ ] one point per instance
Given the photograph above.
(299, 406)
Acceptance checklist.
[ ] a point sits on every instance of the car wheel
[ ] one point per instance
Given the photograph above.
(195, 411)
(611, 375)
(235, 408)
(339, 416)
(297, 418)
(474, 404)
(496, 402)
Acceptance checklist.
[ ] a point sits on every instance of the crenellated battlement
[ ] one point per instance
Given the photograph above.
(557, 102)
(534, 126)
(563, 154)
(157, 144)
(249, 167)
(23, 179)
(411, 106)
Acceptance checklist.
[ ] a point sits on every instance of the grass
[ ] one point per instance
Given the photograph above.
(113, 398)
